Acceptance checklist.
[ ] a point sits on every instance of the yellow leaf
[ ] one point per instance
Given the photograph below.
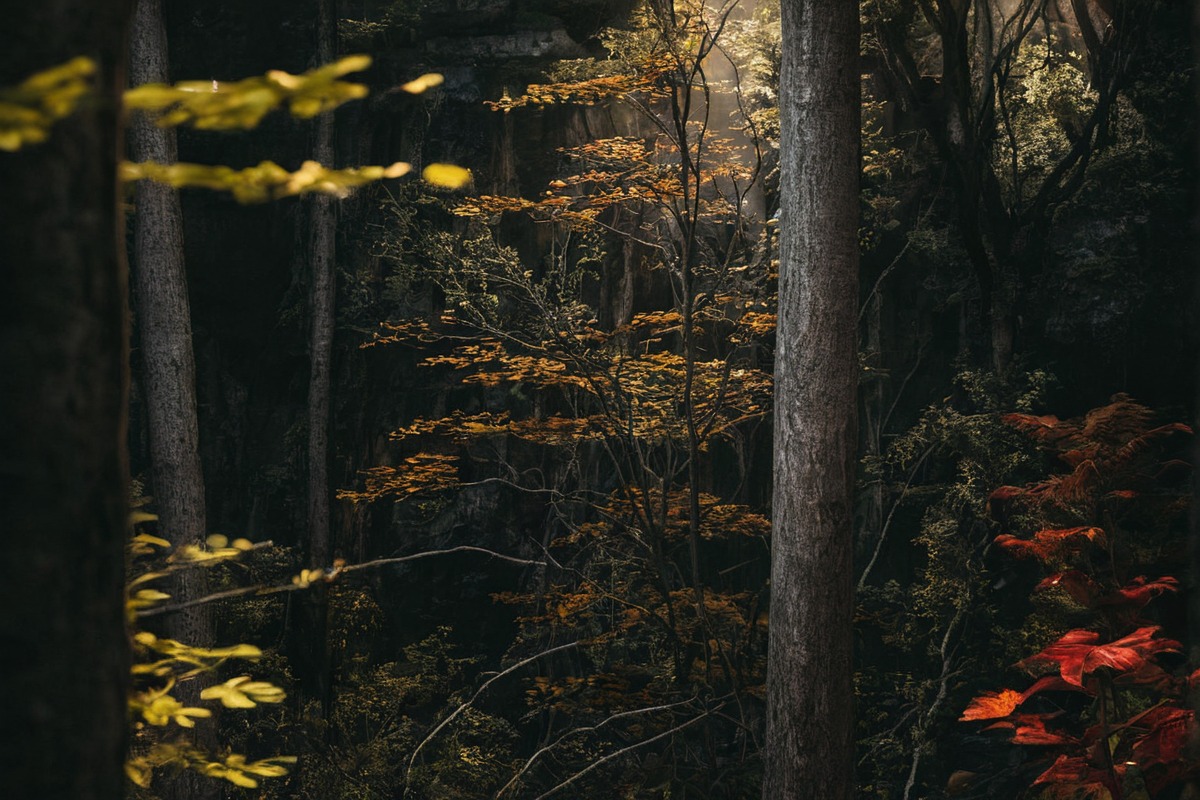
(423, 83)
(217, 540)
(397, 170)
(138, 517)
(138, 771)
(242, 544)
(347, 64)
(447, 176)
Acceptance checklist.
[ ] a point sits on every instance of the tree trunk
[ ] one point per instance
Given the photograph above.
(321, 255)
(809, 685)
(63, 469)
(322, 294)
(164, 324)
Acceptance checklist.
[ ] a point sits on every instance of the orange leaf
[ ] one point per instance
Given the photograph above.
(992, 705)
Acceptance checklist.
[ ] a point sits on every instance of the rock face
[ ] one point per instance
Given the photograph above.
(521, 44)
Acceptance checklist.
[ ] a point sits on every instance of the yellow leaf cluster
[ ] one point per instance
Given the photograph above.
(424, 472)
(158, 707)
(406, 331)
(446, 176)
(241, 692)
(267, 181)
(646, 81)
(235, 769)
(29, 110)
(214, 105)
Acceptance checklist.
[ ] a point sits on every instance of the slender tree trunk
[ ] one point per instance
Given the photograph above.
(64, 663)
(322, 294)
(164, 324)
(321, 254)
(1193, 594)
(809, 685)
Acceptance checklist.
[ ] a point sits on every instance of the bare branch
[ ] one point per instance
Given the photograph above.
(623, 751)
(464, 706)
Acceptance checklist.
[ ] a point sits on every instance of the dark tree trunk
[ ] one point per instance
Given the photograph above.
(809, 684)
(164, 319)
(164, 328)
(321, 254)
(322, 293)
(63, 468)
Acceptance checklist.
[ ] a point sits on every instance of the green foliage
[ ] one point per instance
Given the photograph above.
(926, 591)
(1047, 102)
(381, 711)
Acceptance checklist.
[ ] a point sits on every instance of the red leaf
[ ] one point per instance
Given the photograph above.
(1046, 428)
(1140, 591)
(1168, 728)
(992, 705)
(1074, 458)
(1006, 493)
(1053, 543)
(1031, 729)
(1149, 675)
(1074, 777)
(1077, 653)
(1049, 683)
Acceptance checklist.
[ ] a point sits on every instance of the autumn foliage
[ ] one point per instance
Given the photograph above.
(1106, 705)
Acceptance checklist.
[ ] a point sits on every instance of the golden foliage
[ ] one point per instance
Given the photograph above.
(646, 81)
(215, 105)
(29, 110)
(424, 472)
(424, 83)
(160, 664)
(267, 181)
(446, 176)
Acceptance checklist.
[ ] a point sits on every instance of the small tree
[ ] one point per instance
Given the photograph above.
(621, 410)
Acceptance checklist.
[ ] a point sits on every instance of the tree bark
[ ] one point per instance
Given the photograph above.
(809, 684)
(164, 326)
(322, 291)
(63, 470)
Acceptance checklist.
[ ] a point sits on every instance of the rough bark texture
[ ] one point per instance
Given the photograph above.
(163, 315)
(168, 374)
(809, 685)
(322, 220)
(322, 223)
(63, 470)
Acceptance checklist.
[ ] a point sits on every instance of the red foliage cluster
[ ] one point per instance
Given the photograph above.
(1117, 662)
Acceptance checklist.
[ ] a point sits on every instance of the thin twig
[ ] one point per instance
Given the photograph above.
(621, 752)
(862, 580)
(464, 706)
(588, 729)
(329, 575)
